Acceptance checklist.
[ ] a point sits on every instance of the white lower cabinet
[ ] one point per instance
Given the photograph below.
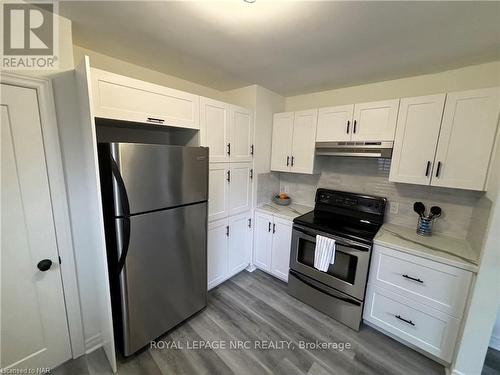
(228, 247)
(272, 242)
(416, 300)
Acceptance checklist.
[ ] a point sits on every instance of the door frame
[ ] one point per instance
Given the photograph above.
(59, 202)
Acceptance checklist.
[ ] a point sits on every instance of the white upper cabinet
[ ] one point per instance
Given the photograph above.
(227, 130)
(282, 141)
(218, 191)
(419, 121)
(453, 151)
(122, 98)
(335, 123)
(240, 187)
(294, 136)
(241, 134)
(214, 127)
(375, 121)
(466, 140)
(303, 144)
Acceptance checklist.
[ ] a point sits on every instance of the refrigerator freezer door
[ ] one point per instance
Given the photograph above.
(158, 176)
(164, 280)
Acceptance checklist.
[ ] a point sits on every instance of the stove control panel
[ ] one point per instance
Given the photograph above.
(351, 201)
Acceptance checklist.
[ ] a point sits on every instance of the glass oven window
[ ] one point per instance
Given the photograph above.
(344, 267)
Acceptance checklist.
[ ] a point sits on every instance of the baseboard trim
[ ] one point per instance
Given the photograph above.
(93, 343)
(251, 268)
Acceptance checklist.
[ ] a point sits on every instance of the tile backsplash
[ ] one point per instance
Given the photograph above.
(371, 176)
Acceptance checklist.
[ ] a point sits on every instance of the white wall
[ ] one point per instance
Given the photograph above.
(470, 77)
(485, 302)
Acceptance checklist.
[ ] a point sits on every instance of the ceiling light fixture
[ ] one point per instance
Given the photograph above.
(249, 1)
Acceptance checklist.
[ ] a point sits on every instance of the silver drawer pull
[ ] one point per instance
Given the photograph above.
(405, 320)
(412, 278)
(156, 120)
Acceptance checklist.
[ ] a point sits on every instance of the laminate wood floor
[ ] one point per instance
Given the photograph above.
(253, 309)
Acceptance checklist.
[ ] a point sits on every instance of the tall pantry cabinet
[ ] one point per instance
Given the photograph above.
(228, 131)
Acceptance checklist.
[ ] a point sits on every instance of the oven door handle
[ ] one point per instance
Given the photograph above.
(337, 296)
(312, 237)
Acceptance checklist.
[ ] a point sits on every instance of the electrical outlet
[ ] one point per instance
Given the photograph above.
(393, 207)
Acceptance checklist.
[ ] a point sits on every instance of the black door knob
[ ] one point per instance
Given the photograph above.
(44, 265)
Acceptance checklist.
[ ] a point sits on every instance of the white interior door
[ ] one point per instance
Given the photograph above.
(214, 124)
(375, 121)
(335, 123)
(34, 332)
(241, 134)
(240, 187)
(304, 141)
(218, 191)
(466, 140)
(281, 150)
(280, 255)
(240, 242)
(263, 238)
(217, 247)
(417, 133)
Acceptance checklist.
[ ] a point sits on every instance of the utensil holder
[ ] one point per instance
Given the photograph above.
(424, 226)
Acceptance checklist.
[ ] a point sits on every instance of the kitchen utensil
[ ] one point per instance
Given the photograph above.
(435, 212)
(419, 208)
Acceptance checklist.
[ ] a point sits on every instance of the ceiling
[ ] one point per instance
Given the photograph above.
(289, 47)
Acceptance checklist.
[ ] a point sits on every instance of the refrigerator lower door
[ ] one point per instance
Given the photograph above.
(164, 279)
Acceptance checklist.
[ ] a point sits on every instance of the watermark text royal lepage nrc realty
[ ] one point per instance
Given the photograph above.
(30, 35)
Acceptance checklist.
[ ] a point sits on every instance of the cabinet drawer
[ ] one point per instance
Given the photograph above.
(123, 98)
(417, 324)
(437, 285)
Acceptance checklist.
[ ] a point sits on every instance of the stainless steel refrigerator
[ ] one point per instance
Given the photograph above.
(155, 212)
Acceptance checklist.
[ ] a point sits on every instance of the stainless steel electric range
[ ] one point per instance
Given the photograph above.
(352, 220)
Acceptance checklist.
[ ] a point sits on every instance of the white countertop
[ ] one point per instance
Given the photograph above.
(289, 212)
(448, 250)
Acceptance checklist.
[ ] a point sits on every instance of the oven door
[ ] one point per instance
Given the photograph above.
(349, 272)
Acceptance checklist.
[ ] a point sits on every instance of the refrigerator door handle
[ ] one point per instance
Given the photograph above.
(125, 243)
(125, 209)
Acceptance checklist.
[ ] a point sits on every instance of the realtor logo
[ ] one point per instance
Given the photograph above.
(29, 35)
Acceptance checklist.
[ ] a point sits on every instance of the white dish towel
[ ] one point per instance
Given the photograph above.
(324, 253)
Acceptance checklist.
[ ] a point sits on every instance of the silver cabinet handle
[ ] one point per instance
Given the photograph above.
(405, 320)
(412, 278)
(155, 120)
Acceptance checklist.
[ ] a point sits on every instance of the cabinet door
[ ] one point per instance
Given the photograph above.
(466, 140)
(122, 98)
(335, 123)
(217, 252)
(240, 242)
(281, 150)
(417, 132)
(263, 238)
(218, 191)
(240, 187)
(214, 125)
(241, 134)
(280, 254)
(375, 121)
(304, 141)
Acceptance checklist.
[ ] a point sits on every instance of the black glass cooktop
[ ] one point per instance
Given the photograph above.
(344, 226)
